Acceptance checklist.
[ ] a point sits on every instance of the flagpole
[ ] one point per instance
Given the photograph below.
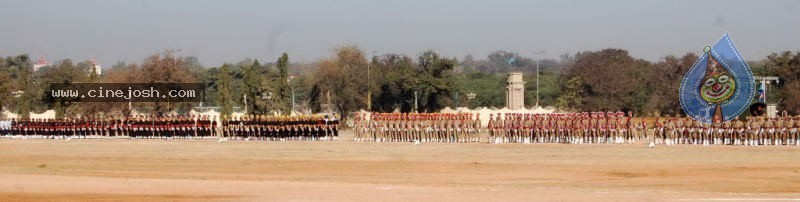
(764, 85)
(538, 53)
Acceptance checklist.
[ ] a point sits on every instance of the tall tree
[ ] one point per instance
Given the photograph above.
(550, 85)
(315, 101)
(210, 78)
(63, 72)
(786, 65)
(224, 88)
(504, 61)
(23, 73)
(6, 87)
(119, 73)
(571, 99)
(487, 88)
(284, 90)
(342, 77)
(301, 85)
(436, 84)
(253, 77)
(394, 82)
(665, 81)
(612, 80)
(166, 68)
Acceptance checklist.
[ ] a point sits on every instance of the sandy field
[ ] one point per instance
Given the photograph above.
(205, 170)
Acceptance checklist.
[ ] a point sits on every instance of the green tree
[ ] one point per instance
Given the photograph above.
(6, 87)
(253, 80)
(63, 72)
(436, 85)
(284, 90)
(22, 72)
(394, 83)
(786, 65)
(224, 85)
(315, 99)
(665, 81)
(549, 88)
(502, 61)
(210, 78)
(302, 84)
(487, 87)
(571, 99)
(612, 80)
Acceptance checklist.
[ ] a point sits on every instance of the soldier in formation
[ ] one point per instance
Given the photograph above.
(114, 127)
(182, 127)
(282, 128)
(5, 127)
(572, 128)
(753, 131)
(416, 127)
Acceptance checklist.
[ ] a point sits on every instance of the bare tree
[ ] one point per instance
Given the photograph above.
(344, 77)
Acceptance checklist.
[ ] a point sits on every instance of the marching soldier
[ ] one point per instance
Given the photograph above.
(769, 128)
(740, 131)
(793, 133)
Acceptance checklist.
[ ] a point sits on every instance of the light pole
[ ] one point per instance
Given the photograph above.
(458, 100)
(416, 110)
(470, 96)
(175, 52)
(291, 86)
(369, 83)
(292, 99)
(369, 91)
(537, 75)
(765, 81)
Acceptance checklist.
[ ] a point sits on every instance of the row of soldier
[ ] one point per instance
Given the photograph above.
(574, 128)
(282, 128)
(416, 127)
(151, 127)
(598, 127)
(134, 127)
(753, 131)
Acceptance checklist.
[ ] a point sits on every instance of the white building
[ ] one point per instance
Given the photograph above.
(42, 62)
(97, 68)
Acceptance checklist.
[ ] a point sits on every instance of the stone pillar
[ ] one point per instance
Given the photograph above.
(515, 91)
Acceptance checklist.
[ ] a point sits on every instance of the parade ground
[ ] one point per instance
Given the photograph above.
(206, 170)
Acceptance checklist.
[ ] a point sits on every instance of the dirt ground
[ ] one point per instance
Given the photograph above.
(205, 170)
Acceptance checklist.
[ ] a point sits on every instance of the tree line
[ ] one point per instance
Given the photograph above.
(349, 80)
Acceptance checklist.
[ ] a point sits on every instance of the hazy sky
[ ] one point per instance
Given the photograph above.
(229, 31)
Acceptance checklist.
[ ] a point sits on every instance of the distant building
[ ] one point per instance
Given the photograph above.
(42, 62)
(515, 91)
(97, 68)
